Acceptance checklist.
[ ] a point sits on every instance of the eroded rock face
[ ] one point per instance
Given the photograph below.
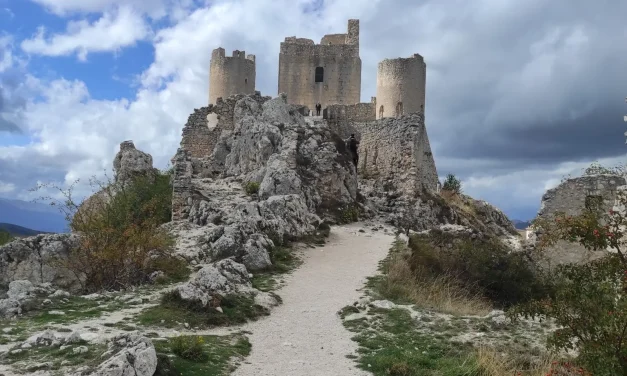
(273, 145)
(130, 163)
(32, 259)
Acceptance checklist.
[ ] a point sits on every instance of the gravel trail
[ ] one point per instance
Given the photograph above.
(305, 336)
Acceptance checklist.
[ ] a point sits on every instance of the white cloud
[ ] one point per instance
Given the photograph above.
(6, 187)
(117, 28)
(155, 9)
(6, 55)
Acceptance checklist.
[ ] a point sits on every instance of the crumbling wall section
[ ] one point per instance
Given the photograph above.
(570, 198)
(397, 153)
(205, 125)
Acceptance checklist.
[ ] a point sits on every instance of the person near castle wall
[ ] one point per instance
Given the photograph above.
(352, 146)
(318, 109)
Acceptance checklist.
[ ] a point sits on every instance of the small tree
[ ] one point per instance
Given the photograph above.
(452, 184)
(589, 302)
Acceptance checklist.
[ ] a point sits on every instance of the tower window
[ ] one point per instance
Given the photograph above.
(319, 74)
(245, 80)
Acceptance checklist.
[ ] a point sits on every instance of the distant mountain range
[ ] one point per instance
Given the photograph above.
(19, 231)
(33, 216)
(521, 225)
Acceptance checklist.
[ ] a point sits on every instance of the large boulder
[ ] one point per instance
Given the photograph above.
(36, 259)
(133, 355)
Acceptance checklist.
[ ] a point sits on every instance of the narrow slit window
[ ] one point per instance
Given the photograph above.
(319, 74)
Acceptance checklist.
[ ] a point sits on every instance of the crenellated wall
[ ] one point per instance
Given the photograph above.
(230, 75)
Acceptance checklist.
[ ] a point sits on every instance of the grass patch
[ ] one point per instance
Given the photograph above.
(175, 312)
(284, 260)
(212, 355)
(55, 357)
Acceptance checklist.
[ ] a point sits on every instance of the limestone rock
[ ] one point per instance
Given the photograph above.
(31, 259)
(133, 355)
(130, 163)
(221, 278)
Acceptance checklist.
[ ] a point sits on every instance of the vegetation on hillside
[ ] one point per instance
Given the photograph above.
(121, 243)
(5, 237)
(452, 184)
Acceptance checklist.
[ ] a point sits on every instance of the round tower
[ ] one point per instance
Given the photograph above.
(229, 75)
(401, 86)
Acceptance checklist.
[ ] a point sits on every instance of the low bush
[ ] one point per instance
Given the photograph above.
(5, 237)
(483, 267)
(189, 347)
(121, 242)
(252, 187)
(452, 184)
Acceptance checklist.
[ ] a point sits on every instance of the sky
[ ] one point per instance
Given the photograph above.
(519, 93)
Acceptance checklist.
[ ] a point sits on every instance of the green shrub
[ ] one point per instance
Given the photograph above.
(5, 237)
(252, 188)
(349, 214)
(452, 184)
(121, 242)
(485, 266)
(589, 303)
(189, 347)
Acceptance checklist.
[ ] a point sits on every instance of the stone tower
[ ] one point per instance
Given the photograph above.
(229, 75)
(401, 85)
(329, 72)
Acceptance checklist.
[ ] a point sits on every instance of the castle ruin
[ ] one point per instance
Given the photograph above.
(328, 73)
(391, 129)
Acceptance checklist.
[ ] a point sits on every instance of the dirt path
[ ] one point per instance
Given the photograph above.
(305, 336)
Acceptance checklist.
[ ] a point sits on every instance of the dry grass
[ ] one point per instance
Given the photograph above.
(458, 200)
(489, 362)
(442, 293)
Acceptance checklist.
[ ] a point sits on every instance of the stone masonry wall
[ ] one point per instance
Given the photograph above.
(401, 85)
(340, 115)
(231, 75)
(341, 84)
(397, 150)
(570, 198)
(205, 125)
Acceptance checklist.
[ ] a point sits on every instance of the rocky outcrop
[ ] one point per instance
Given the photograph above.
(271, 177)
(130, 163)
(220, 279)
(132, 355)
(35, 259)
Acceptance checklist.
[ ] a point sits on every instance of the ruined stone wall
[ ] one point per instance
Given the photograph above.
(397, 151)
(401, 85)
(231, 75)
(336, 114)
(570, 198)
(205, 125)
(338, 55)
